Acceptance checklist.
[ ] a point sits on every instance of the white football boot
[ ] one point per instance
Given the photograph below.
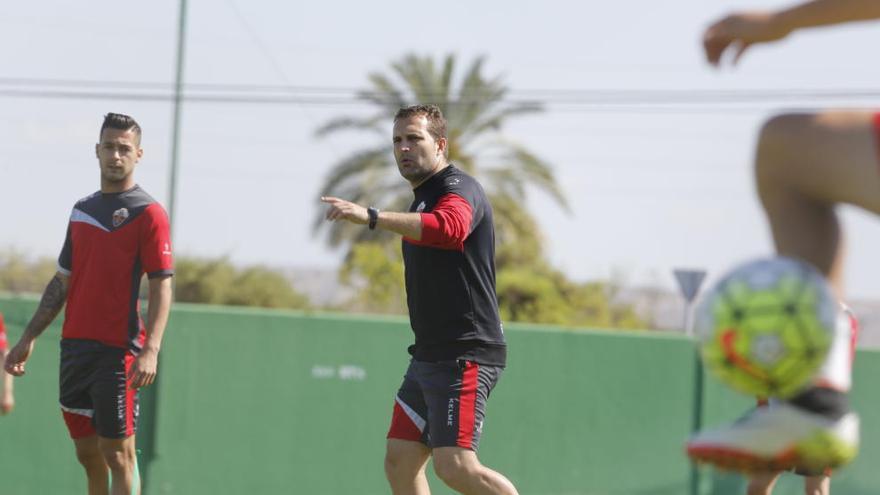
(781, 437)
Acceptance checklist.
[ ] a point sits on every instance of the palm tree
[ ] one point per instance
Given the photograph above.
(476, 111)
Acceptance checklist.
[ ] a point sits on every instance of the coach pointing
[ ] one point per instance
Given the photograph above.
(459, 350)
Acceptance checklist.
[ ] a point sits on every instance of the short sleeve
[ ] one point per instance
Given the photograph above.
(155, 250)
(65, 259)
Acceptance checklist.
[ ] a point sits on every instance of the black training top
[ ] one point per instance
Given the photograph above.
(450, 273)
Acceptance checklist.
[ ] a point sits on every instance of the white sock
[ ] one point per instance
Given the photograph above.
(836, 372)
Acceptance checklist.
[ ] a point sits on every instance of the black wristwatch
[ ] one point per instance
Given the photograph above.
(373, 213)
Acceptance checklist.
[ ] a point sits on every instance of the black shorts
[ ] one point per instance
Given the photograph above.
(94, 393)
(443, 404)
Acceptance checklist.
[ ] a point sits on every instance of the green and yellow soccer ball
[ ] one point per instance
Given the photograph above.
(766, 327)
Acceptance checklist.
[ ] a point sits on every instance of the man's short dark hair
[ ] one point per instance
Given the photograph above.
(121, 122)
(436, 121)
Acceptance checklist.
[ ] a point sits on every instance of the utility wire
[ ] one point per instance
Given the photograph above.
(548, 93)
(607, 100)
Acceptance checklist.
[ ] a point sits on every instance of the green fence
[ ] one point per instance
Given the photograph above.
(254, 402)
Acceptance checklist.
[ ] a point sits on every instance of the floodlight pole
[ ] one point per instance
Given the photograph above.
(150, 396)
(178, 103)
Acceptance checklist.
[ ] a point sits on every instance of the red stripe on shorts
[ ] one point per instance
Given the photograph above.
(3, 342)
(130, 394)
(78, 425)
(467, 401)
(402, 426)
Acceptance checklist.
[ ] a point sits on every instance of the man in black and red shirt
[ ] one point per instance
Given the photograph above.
(114, 237)
(459, 350)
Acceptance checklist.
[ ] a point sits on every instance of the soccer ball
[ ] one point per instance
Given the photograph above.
(766, 328)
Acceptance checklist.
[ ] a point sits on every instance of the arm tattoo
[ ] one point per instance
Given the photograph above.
(51, 303)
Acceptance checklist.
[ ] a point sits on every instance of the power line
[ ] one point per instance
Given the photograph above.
(154, 85)
(563, 93)
(546, 93)
(167, 97)
(608, 100)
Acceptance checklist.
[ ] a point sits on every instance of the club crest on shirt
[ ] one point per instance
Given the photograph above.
(119, 216)
(421, 207)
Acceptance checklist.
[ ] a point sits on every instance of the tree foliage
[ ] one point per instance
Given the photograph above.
(217, 281)
(198, 280)
(528, 291)
(376, 275)
(476, 111)
(531, 292)
(542, 295)
(22, 274)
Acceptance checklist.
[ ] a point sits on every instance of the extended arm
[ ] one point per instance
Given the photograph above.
(143, 372)
(51, 303)
(827, 12)
(406, 224)
(743, 29)
(446, 226)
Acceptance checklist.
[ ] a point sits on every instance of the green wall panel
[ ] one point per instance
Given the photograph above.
(254, 401)
(36, 453)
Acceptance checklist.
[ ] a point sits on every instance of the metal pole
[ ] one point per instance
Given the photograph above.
(175, 132)
(688, 321)
(697, 420)
(150, 396)
(689, 282)
(697, 412)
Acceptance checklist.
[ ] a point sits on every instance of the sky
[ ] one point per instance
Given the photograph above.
(651, 188)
